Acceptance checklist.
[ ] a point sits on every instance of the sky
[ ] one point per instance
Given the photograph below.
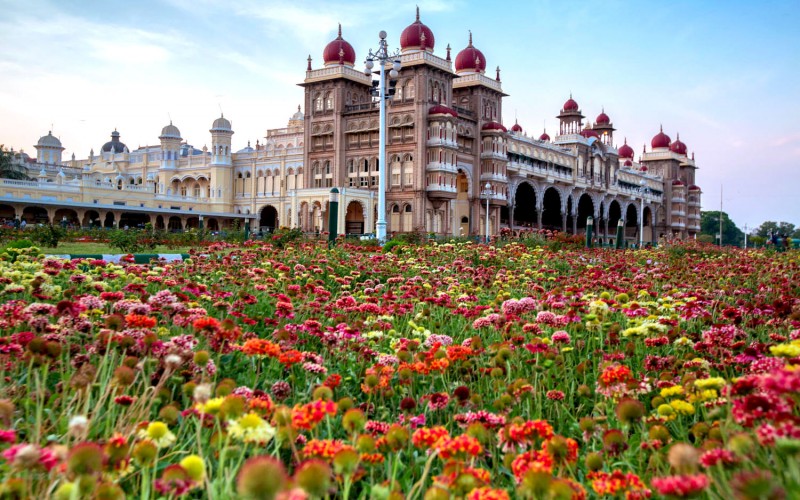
(724, 74)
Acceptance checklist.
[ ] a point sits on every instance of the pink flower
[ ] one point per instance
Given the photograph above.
(680, 486)
(561, 337)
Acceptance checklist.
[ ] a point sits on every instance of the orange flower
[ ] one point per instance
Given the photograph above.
(427, 438)
(487, 493)
(261, 347)
(307, 416)
(531, 460)
(206, 323)
(290, 357)
(324, 448)
(460, 446)
(140, 321)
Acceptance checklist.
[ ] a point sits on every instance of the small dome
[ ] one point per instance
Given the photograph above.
(678, 147)
(544, 136)
(170, 132)
(339, 51)
(677, 182)
(494, 126)
(221, 124)
(628, 163)
(587, 132)
(49, 141)
(470, 60)
(660, 140)
(299, 115)
(516, 127)
(626, 151)
(114, 145)
(442, 110)
(570, 105)
(644, 168)
(417, 36)
(248, 149)
(694, 187)
(603, 119)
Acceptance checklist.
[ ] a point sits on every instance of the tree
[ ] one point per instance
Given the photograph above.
(769, 227)
(10, 169)
(709, 224)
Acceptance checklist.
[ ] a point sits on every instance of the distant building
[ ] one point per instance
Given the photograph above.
(445, 144)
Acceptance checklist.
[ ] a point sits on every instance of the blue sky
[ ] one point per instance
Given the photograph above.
(724, 74)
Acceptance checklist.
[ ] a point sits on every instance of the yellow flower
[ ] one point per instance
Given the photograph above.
(705, 395)
(158, 433)
(710, 383)
(675, 390)
(682, 407)
(195, 467)
(212, 406)
(251, 428)
(785, 350)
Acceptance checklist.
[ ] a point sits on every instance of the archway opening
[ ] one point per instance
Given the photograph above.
(212, 224)
(354, 218)
(91, 219)
(35, 215)
(193, 223)
(632, 222)
(174, 224)
(585, 210)
(269, 219)
(7, 213)
(109, 221)
(66, 217)
(524, 207)
(159, 222)
(133, 220)
(551, 213)
(614, 215)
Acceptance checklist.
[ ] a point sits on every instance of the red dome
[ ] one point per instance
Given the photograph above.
(677, 182)
(570, 105)
(660, 140)
(470, 59)
(544, 136)
(694, 187)
(442, 110)
(628, 163)
(626, 151)
(494, 126)
(678, 147)
(339, 51)
(587, 132)
(516, 127)
(603, 118)
(644, 168)
(417, 36)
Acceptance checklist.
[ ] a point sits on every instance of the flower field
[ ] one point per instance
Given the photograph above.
(439, 372)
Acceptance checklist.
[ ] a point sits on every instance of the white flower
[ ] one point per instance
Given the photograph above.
(78, 425)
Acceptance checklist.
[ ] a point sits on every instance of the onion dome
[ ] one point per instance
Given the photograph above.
(470, 60)
(417, 36)
(516, 127)
(587, 132)
(494, 126)
(677, 182)
(678, 147)
(49, 141)
(339, 51)
(694, 187)
(570, 105)
(628, 163)
(442, 110)
(544, 136)
(248, 149)
(626, 151)
(603, 118)
(114, 145)
(170, 132)
(221, 124)
(644, 168)
(660, 140)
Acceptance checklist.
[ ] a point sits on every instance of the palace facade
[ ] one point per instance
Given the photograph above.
(449, 156)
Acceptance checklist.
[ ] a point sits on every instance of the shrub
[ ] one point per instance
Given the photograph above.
(126, 240)
(48, 235)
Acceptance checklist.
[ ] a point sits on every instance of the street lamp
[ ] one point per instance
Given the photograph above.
(487, 191)
(382, 56)
(642, 191)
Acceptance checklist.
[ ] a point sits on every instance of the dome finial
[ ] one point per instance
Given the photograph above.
(417, 13)
(498, 74)
(308, 68)
(298, 108)
(448, 51)
(340, 31)
(470, 38)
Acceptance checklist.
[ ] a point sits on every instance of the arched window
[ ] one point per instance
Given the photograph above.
(318, 103)
(329, 100)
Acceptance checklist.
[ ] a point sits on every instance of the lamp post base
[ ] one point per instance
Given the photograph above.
(380, 231)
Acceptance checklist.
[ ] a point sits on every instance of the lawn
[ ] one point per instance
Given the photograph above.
(75, 248)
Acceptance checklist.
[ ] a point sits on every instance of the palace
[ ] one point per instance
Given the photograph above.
(448, 158)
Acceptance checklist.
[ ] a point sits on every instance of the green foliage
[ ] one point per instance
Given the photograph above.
(48, 235)
(22, 243)
(127, 240)
(10, 169)
(394, 246)
(284, 236)
(709, 224)
(770, 227)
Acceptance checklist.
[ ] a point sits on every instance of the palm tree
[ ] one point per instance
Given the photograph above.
(10, 169)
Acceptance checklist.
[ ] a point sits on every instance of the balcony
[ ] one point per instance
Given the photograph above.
(438, 191)
(678, 224)
(494, 178)
(678, 213)
(694, 216)
(678, 199)
(442, 143)
(436, 166)
(494, 155)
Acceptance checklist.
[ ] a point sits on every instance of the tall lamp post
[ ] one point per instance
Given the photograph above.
(487, 191)
(382, 56)
(642, 191)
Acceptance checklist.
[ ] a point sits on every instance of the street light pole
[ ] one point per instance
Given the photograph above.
(487, 192)
(642, 189)
(382, 56)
